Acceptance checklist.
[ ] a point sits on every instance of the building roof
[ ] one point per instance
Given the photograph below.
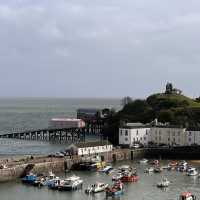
(92, 144)
(66, 119)
(168, 126)
(134, 127)
(193, 129)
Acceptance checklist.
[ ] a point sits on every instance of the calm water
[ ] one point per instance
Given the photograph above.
(145, 189)
(33, 113)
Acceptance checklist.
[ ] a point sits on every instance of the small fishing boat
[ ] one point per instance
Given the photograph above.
(71, 183)
(155, 162)
(40, 181)
(143, 161)
(107, 169)
(182, 168)
(158, 169)
(54, 183)
(183, 163)
(173, 164)
(29, 178)
(124, 168)
(163, 183)
(117, 176)
(129, 177)
(187, 196)
(95, 188)
(50, 177)
(192, 172)
(149, 170)
(116, 190)
(3, 166)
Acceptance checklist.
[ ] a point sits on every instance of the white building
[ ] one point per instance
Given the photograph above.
(168, 135)
(133, 133)
(66, 123)
(193, 136)
(89, 148)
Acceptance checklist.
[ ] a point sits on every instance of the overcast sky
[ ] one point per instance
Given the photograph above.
(98, 48)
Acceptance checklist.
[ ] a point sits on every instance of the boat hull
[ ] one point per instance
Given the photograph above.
(70, 188)
(130, 178)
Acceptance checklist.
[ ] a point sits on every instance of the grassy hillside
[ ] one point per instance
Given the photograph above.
(167, 101)
(173, 108)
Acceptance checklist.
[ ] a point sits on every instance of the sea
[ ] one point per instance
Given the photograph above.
(20, 114)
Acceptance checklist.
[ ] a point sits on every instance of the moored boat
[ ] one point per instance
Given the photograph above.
(40, 181)
(95, 188)
(155, 162)
(107, 169)
(158, 169)
(143, 161)
(187, 196)
(116, 190)
(129, 177)
(149, 170)
(192, 172)
(71, 183)
(54, 183)
(163, 183)
(117, 176)
(29, 178)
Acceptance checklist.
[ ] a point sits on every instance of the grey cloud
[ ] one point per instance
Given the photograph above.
(98, 48)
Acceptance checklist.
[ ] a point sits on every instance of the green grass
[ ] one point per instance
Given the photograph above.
(177, 97)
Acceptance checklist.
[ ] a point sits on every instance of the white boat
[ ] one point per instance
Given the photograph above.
(117, 176)
(51, 176)
(107, 169)
(95, 188)
(143, 161)
(54, 183)
(149, 170)
(183, 163)
(124, 167)
(71, 183)
(163, 183)
(187, 196)
(3, 166)
(192, 172)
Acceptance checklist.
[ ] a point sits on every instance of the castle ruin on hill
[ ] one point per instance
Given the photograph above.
(171, 90)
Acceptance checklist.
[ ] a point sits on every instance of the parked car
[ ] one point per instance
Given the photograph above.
(59, 155)
(136, 146)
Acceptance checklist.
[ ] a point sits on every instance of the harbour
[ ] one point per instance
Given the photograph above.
(144, 189)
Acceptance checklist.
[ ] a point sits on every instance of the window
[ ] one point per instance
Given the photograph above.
(137, 132)
(140, 138)
(168, 139)
(121, 132)
(159, 132)
(146, 132)
(190, 139)
(160, 138)
(126, 132)
(126, 139)
(144, 138)
(190, 133)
